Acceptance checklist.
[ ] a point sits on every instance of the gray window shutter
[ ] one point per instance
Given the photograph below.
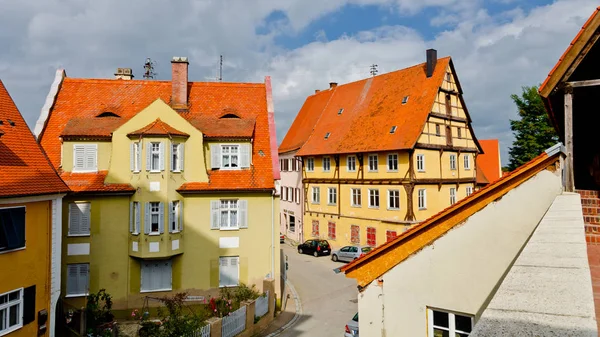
(243, 205)
(215, 218)
(78, 157)
(171, 215)
(91, 157)
(137, 218)
(74, 219)
(215, 158)
(148, 156)
(72, 276)
(180, 215)
(85, 218)
(131, 217)
(161, 156)
(234, 270)
(147, 223)
(138, 153)
(161, 217)
(181, 160)
(83, 278)
(245, 155)
(132, 157)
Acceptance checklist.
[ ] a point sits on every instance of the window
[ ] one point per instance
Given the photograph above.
(310, 164)
(405, 100)
(230, 156)
(393, 129)
(298, 196)
(351, 163)
(134, 218)
(229, 271)
(373, 163)
(371, 237)
(327, 135)
(155, 157)
(155, 211)
(373, 198)
(332, 192)
(437, 130)
(229, 214)
(390, 235)
(421, 162)
(292, 223)
(315, 228)
(356, 197)
(78, 278)
(12, 228)
(316, 195)
(340, 111)
(392, 162)
(441, 323)
(156, 275)
(331, 230)
(452, 195)
(448, 77)
(459, 132)
(234, 157)
(355, 234)
(326, 164)
(453, 162)
(469, 190)
(448, 105)
(176, 157)
(175, 218)
(136, 157)
(11, 311)
(393, 199)
(85, 158)
(281, 165)
(79, 218)
(467, 159)
(422, 199)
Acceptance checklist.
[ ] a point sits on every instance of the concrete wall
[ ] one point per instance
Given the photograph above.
(460, 270)
(292, 179)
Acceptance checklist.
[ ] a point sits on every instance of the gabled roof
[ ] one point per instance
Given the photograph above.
(92, 128)
(370, 108)
(385, 257)
(488, 162)
(213, 127)
(158, 128)
(24, 168)
(94, 183)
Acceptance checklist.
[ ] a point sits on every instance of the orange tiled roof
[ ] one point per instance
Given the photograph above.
(480, 178)
(158, 128)
(222, 181)
(94, 128)
(85, 99)
(370, 108)
(24, 168)
(385, 257)
(213, 127)
(93, 182)
(488, 162)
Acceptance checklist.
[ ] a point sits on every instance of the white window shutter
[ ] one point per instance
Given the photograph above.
(161, 156)
(74, 219)
(243, 205)
(148, 156)
(245, 155)
(131, 217)
(171, 215)
(147, 223)
(215, 156)
(181, 161)
(137, 218)
(78, 157)
(234, 271)
(85, 218)
(91, 154)
(215, 218)
(161, 217)
(138, 153)
(180, 219)
(132, 157)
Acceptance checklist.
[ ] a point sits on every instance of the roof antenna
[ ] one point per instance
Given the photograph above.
(374, 70)
(221, 68)
(149, 69)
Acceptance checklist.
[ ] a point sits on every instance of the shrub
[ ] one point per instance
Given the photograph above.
(98, 313)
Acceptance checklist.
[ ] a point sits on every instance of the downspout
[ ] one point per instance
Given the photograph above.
(273, 234)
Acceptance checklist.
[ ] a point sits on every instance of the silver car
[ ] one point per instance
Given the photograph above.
(352, 327)
(349, 253)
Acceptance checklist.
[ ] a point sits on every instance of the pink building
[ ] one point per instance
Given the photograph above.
(292, 196)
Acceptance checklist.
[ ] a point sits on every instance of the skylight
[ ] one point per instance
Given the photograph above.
(340, 111)
(393, 129)
(327, 135)
(405, 100)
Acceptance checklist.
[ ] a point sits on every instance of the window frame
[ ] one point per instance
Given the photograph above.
(136, 217)
(375, 162)
(86, 148)
(453, 162)
(452, 331)
(20, 303)
(438, 131)
(331, 191)
(374, 195)
(355, 234)
(154, 152)
(422, 196)
(89, 225)
(157, 213)
(154, 272)
(356, 197)
(467, 161)
(20, 245)
(176, 163)
(310, 164)
(371, 236)
(420, 162)
(326, 168)
(230, 155)
(229, 210)
(316, 200)
(459, 132)
(331, 230)
(175, 217)
(351, 163)
(390, 156)
(469, 190)
(452, 195)
(389, 199)
(315, 225)
(229, 259)
(389, 237)
(78, 294)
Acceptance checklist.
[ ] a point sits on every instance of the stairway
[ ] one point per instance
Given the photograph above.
(590, 203)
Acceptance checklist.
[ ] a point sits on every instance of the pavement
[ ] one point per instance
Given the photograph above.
(320, 302)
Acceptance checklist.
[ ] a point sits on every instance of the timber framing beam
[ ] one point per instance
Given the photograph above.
(384, 181)
(569, 167)
(446, 148)
(580, 84)
(447, 117)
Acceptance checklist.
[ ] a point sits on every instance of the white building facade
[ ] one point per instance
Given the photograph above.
(292, 197)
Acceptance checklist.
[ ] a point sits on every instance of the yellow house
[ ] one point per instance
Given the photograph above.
(173, 184)
(384, 153)
(31, 194)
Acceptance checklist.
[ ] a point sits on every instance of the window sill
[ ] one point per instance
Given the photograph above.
(11, 250)
(179, 171)
(77, 235)
(229, 286)
(421, 171)
(84, 171)
(393, 209)
(229, 229)
(331, 204)
(351, 171)
(392, 171)
(231, 168)
(357, 206)
(467, 169)
(373, 207)
(324, 171)
(152, 171)
(315, 203)
(136, 171)
(422, 208)
(175, 232)
(9, 330)
(153, 234)
(373, 171)
(156, 290)
(75, 295)
(136, 234)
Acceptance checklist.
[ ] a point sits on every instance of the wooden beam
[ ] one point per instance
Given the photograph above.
(446, 148)
(569, 174)
(586, 83)
(446, 117)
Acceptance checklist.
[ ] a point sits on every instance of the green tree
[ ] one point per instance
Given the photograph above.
(533, 132)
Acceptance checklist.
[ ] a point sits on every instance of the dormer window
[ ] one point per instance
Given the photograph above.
(230, 156)
(405, 100)
(340, 111)
(231, 116)
(108, 114)
(85, 158)
(327, 135)
(393, 129)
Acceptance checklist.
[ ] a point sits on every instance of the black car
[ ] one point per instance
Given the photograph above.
(315, 247)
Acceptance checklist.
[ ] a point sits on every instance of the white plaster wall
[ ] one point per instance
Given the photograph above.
(459, 271)
(292, 179)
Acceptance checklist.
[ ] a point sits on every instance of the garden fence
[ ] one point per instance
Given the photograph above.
(202, 332)
(234, 323)
(262, 305)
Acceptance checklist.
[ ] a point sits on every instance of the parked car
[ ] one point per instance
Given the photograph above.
(349, 253)
(281, 238)
(352, 327)
(315, 247)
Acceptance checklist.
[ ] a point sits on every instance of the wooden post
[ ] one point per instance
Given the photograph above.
(569, 174)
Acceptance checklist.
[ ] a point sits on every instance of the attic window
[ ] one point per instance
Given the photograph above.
(405, 100)
(327, 135)
(393, 129)
(340, 111)
(108, 114)
(230, 116)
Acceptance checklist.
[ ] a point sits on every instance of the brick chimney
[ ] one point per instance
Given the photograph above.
(332, 85)
(179, 83)
(124, 74)
(431, 61)
(317, 91)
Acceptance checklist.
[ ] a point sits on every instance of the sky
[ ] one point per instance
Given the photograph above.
(498, 46)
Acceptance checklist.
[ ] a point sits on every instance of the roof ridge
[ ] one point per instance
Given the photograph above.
(159, 82)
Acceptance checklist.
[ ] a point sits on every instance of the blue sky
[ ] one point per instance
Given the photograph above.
(497, 46)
